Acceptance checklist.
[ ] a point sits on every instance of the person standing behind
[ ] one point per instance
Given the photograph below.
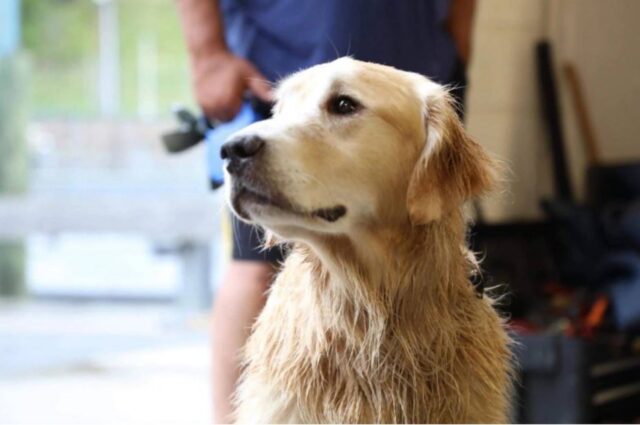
(240, 47)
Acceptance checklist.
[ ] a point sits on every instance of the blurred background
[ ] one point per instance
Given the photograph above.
(110, 248)
(107, 243)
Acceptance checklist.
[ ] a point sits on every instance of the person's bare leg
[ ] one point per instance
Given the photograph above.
(238, 302)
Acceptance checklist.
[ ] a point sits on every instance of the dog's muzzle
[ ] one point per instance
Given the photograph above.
(241, 151)
(248, 187)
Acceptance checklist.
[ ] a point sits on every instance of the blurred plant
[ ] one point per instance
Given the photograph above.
(62, 39)
(59, 31)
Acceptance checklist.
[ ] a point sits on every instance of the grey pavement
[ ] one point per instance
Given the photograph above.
(63, 362)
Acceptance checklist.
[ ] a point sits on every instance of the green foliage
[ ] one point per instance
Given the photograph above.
(13, 118)
(59, 31)
(12, 269)
(13, 163)
(62, 38)
(154, 23)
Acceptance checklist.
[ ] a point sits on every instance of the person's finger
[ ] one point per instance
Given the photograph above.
(230, 104)
(258, 84)
(225, 106)
(232, 108)
(214, 111)
(208, 109)
(222, 113)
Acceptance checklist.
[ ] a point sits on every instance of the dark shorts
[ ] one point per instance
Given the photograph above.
(247, 239)
(247, 244)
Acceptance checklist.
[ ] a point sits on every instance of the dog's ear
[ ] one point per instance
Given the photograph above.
(452, 167)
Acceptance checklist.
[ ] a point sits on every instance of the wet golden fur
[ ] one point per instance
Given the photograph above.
(375, 320)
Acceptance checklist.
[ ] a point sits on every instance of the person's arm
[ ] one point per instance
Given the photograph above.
(219, 78)
(460, 25)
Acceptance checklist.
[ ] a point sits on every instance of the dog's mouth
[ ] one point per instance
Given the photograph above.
(243, 197)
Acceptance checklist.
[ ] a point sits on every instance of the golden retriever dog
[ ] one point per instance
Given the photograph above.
(364, 169)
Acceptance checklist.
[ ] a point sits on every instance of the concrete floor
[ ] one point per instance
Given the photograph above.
(102, 363)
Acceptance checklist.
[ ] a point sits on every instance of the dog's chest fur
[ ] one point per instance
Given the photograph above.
(319, 353)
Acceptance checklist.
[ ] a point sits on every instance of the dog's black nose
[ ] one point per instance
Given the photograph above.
(241, 148)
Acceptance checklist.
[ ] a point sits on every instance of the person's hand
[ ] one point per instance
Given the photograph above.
(220, 82)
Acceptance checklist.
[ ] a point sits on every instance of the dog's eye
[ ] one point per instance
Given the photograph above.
(343, 105)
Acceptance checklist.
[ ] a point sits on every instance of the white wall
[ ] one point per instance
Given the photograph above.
(601, 39)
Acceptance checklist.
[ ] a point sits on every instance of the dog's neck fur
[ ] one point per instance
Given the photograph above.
(371, 280)
(405, 336)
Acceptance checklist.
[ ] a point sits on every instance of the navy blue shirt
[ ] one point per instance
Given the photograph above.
(283, 36)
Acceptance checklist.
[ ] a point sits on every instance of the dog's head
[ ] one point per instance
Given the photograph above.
(352, 144)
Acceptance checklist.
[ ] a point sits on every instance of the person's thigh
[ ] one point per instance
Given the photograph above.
(238, 302)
